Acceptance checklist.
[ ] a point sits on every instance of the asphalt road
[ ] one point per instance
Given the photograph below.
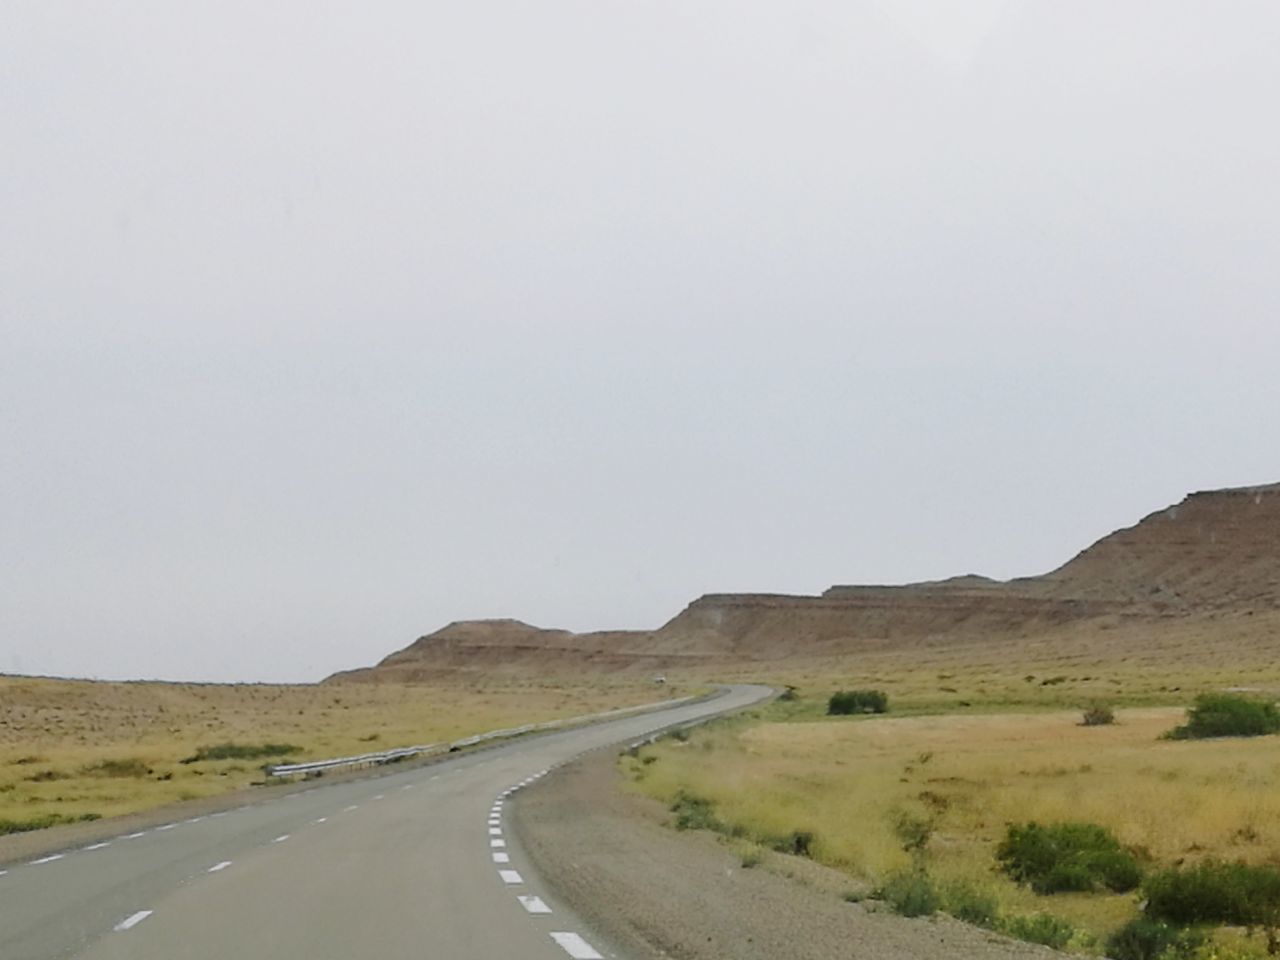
(412, 864)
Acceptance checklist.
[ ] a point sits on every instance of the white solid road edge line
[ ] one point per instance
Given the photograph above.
(576, 947)
(219, 866)
(132, 921)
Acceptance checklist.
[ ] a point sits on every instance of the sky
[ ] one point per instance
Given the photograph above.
(325, 324)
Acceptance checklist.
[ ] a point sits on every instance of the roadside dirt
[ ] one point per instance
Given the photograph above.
(657, 894)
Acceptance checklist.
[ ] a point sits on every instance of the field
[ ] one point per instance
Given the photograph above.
(75, 749)
(865, 788)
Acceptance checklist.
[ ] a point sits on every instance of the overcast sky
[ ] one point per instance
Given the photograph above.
(324, 324)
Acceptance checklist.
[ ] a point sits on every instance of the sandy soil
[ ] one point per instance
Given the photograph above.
(655, 893)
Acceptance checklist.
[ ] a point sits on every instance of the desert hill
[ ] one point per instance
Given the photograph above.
(1215, 556)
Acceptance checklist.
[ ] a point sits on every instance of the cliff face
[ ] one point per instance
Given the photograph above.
(1215, 552)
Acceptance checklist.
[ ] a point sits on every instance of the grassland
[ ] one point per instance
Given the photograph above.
(79, 749)
(853, 784)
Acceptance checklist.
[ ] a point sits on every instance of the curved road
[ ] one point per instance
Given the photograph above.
(412, 864)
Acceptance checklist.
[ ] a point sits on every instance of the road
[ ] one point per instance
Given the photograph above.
(411, 864)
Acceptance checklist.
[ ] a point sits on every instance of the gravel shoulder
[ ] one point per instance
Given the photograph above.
(660, 895)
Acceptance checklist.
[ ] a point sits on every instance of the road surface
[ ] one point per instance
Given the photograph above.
(414, 864)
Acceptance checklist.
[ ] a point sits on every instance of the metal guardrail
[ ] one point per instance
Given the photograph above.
(401, 753)
(385, 756)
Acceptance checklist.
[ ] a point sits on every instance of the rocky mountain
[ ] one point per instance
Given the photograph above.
(1215, 553)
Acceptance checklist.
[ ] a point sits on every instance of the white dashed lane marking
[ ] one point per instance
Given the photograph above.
(534, 904)
(497, 843)
(320, 820)
(281, 839)
(133, 920)
(49, 859)
(97, 846)
(134, 836)
(219, 866)
(495, 831)
(167, 826)
(500, 857)
(354, 806)
(379, 796)
(576, 947)
(510, 876)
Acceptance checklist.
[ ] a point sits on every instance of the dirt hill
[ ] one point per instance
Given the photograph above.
(1214, 555)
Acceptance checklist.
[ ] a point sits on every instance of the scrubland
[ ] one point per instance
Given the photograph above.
(935, 786)
(73, 750)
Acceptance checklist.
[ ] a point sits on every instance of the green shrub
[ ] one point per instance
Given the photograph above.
(1147, 939)
(1227, 715)
(1216, 892)
(789, 695)
(241, 751)
(910, 893)
(1040, 928)
(857, 701)
(968, 903)
(695, 813)
(1062, 857)
(1098, 715)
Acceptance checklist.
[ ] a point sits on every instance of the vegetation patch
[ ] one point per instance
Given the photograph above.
(126, 767)
(1098, 715)
(241, 751)
(1145, 939)
(43, 821)
(1228, 715)
(910, 893)
(1061, 857)
(845, 702)
(695, 813)
(1214, 891)
(1040, 928)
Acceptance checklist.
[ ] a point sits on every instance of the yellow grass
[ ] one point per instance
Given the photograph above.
(52, 730)
(847, 780)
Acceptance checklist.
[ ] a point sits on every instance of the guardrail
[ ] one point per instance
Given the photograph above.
(402, 753)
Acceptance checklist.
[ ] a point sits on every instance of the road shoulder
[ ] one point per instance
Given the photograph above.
(658, 894)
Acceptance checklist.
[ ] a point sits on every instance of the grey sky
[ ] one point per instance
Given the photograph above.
(327, 323)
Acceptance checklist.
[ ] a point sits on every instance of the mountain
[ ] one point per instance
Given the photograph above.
(1214, 555)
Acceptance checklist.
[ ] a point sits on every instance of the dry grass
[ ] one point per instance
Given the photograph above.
(848, 781)
(1140, 662)
(78, 747)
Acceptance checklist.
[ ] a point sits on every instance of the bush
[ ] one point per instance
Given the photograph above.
(910, 893)
(1065, 857)
(1040, 928)
(1146, 939)
(695, 813)
(966, 902)
(1227, 715)
(241, 751)
(857, 701)
(789, 695)
(1216, 892)
(1098, 715)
